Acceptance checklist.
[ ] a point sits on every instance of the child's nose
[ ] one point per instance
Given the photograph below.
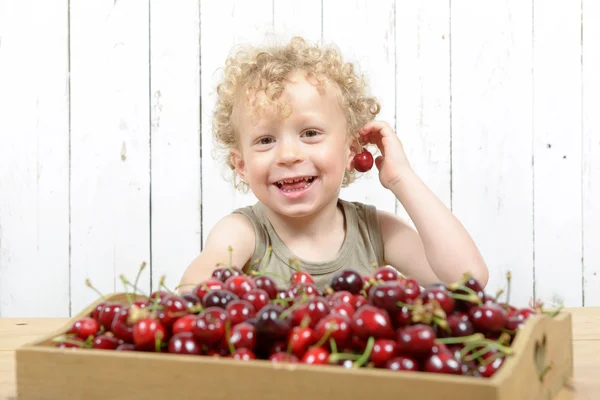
(290, 152)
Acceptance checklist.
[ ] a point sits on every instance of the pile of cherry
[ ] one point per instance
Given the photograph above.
(382, 321)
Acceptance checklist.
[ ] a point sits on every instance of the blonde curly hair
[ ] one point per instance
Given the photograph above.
(266, 69)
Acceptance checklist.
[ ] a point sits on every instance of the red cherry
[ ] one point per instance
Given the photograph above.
(386, 274)
(338, 327)
(219, 298)
(105, 342)
(308, 289)
(257, 297)
(459, 326)
(146, 332)
(224, 273)
(267, 284)
(244, 355)
(121, 327)
(243, 335)
(488, 318)
(316, 355)
(490, 369)
(411, 288)
(441, 295)
(442, 363)
(184, 324)
(126, 347)
(107, 314)
(403, 363)
(96, 312)
(184, 343)
(210, 325)
(173, 308)
(359, 300)
(383, 351)
(317, 308)
(386, 295)
(363, 161)
(344, 309)
(299, 340)
(372, 321)
(85, 327)
(240, 285)
(301, 277)
(240, 311)
(415, 340)
(282, 356)
(207, 286)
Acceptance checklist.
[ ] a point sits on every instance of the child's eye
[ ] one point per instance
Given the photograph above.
(310, 133)
(265, 140)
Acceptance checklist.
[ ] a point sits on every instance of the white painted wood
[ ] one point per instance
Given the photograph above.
(175, 157)
(492, 136)
(110, 199)
(364, 32)
(591, 153)
(34, 159)
(297, 18)
(140, 142)
(225, 25)
(557, 151)
(423, 92)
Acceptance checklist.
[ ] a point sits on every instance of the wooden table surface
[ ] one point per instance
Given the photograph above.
(585, 384)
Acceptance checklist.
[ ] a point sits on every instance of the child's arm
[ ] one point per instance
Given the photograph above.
(232, 230)
(442, 248)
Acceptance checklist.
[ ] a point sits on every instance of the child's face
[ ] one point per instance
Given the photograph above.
(311, 147)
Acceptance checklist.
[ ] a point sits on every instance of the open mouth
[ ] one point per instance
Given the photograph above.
(295, 185)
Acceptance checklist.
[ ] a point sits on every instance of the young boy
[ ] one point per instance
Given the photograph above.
(291, 119)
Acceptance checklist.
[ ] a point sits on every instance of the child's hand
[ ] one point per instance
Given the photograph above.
(393, 163)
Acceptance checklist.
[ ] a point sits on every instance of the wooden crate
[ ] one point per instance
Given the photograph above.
(47, 372)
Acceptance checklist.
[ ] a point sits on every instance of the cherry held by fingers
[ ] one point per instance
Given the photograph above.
(363, 161)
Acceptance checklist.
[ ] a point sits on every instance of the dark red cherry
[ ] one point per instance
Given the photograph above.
(386, 274)
(316, 355)
(271, 323)
(441, 295)
(363, 161)
(403, 363)
(207, 286)
(267, 284)
(224, 273)
(383, 351)
(184, 343)
(488, 318)
(348, 280)
(218, 298)
(257, 297)
(387, 295)
(442, 363)
(240, 311)
(105, 342)
(240, 285)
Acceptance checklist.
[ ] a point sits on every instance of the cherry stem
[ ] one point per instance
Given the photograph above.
(162, 284)
(66, 339)
(462, 339)
(89, 284)
(290, 309)
(498, 294)
(491, 359)
(248, 269)
(466, 289)
(508, 280)
(124, 281)
(227, 332)
(268, 274)
(461, 283)
(157, 341)
(325, 337)
(470, 298)
(137, 278)
(266, 258)
(295, 264)
(333, 345)
(554, 313)
(408, 306)
(442, 323)
(365, 357)
(281, 302)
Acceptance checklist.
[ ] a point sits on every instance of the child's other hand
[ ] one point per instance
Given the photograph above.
(392, 163)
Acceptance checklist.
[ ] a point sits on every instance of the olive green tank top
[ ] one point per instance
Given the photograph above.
(361, 250)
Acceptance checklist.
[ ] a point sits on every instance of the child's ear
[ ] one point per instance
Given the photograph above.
(238, 162)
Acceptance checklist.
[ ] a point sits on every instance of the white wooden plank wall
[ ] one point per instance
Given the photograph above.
(106, 154)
